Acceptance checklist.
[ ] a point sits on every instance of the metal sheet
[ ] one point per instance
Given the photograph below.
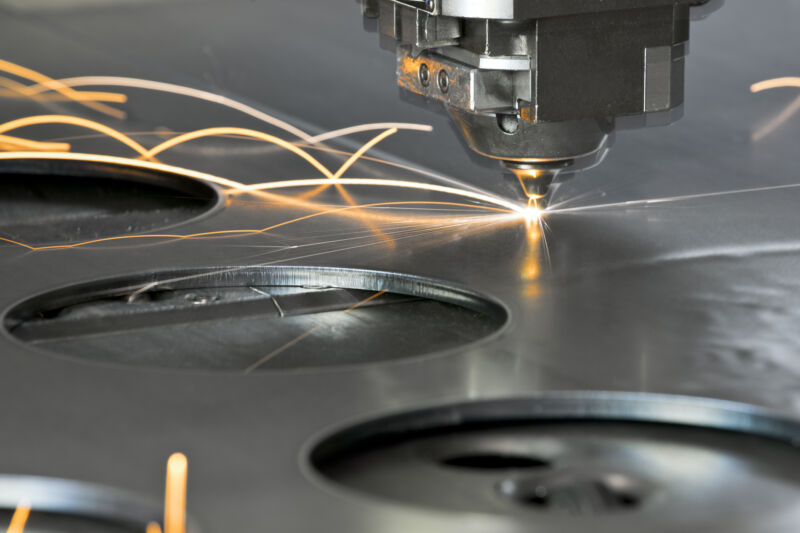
(695, 296)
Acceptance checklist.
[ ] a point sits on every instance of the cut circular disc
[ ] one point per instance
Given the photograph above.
(254, 318)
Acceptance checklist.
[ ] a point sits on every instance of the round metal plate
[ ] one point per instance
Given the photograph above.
(566, 462)
(254, 318)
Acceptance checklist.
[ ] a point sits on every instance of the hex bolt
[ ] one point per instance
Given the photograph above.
(424, 75)
(444, 81)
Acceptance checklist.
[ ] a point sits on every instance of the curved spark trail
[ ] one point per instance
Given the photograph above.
(784, 115)
(175, 141)
(240, 232)
(215, 132)
(238, 187)
(12, 144)
(524, 211)
(73, 121)
(90, 100)
(518, 211)
(137, 83)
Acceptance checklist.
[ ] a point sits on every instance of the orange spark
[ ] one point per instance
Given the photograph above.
(784, 115)
(258, 189)
(175, 494)
(73, 121)
(232, 104)
(55, 85)
(35, 92)
(215, 132)
(355, 157)
(212, 132)
(238, 232)
(20, 518)
(403, 184)
(13, 144)
(775, 83)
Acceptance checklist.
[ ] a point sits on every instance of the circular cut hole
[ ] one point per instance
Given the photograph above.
(66, 506)
(63, 201)
(624, 455)
(254, 319)
(494, 461)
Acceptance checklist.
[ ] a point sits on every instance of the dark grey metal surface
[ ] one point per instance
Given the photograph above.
(695, 297)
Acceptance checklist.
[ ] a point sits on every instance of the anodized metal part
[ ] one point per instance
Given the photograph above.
(528, 82)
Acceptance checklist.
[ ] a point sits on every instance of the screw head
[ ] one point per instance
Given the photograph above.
(424, 75)
(444, 81)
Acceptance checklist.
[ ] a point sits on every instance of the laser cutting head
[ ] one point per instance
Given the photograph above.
(540, 84)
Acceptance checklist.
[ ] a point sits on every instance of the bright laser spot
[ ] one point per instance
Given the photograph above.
(175, 494)
(532, 214)
(20, 518)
